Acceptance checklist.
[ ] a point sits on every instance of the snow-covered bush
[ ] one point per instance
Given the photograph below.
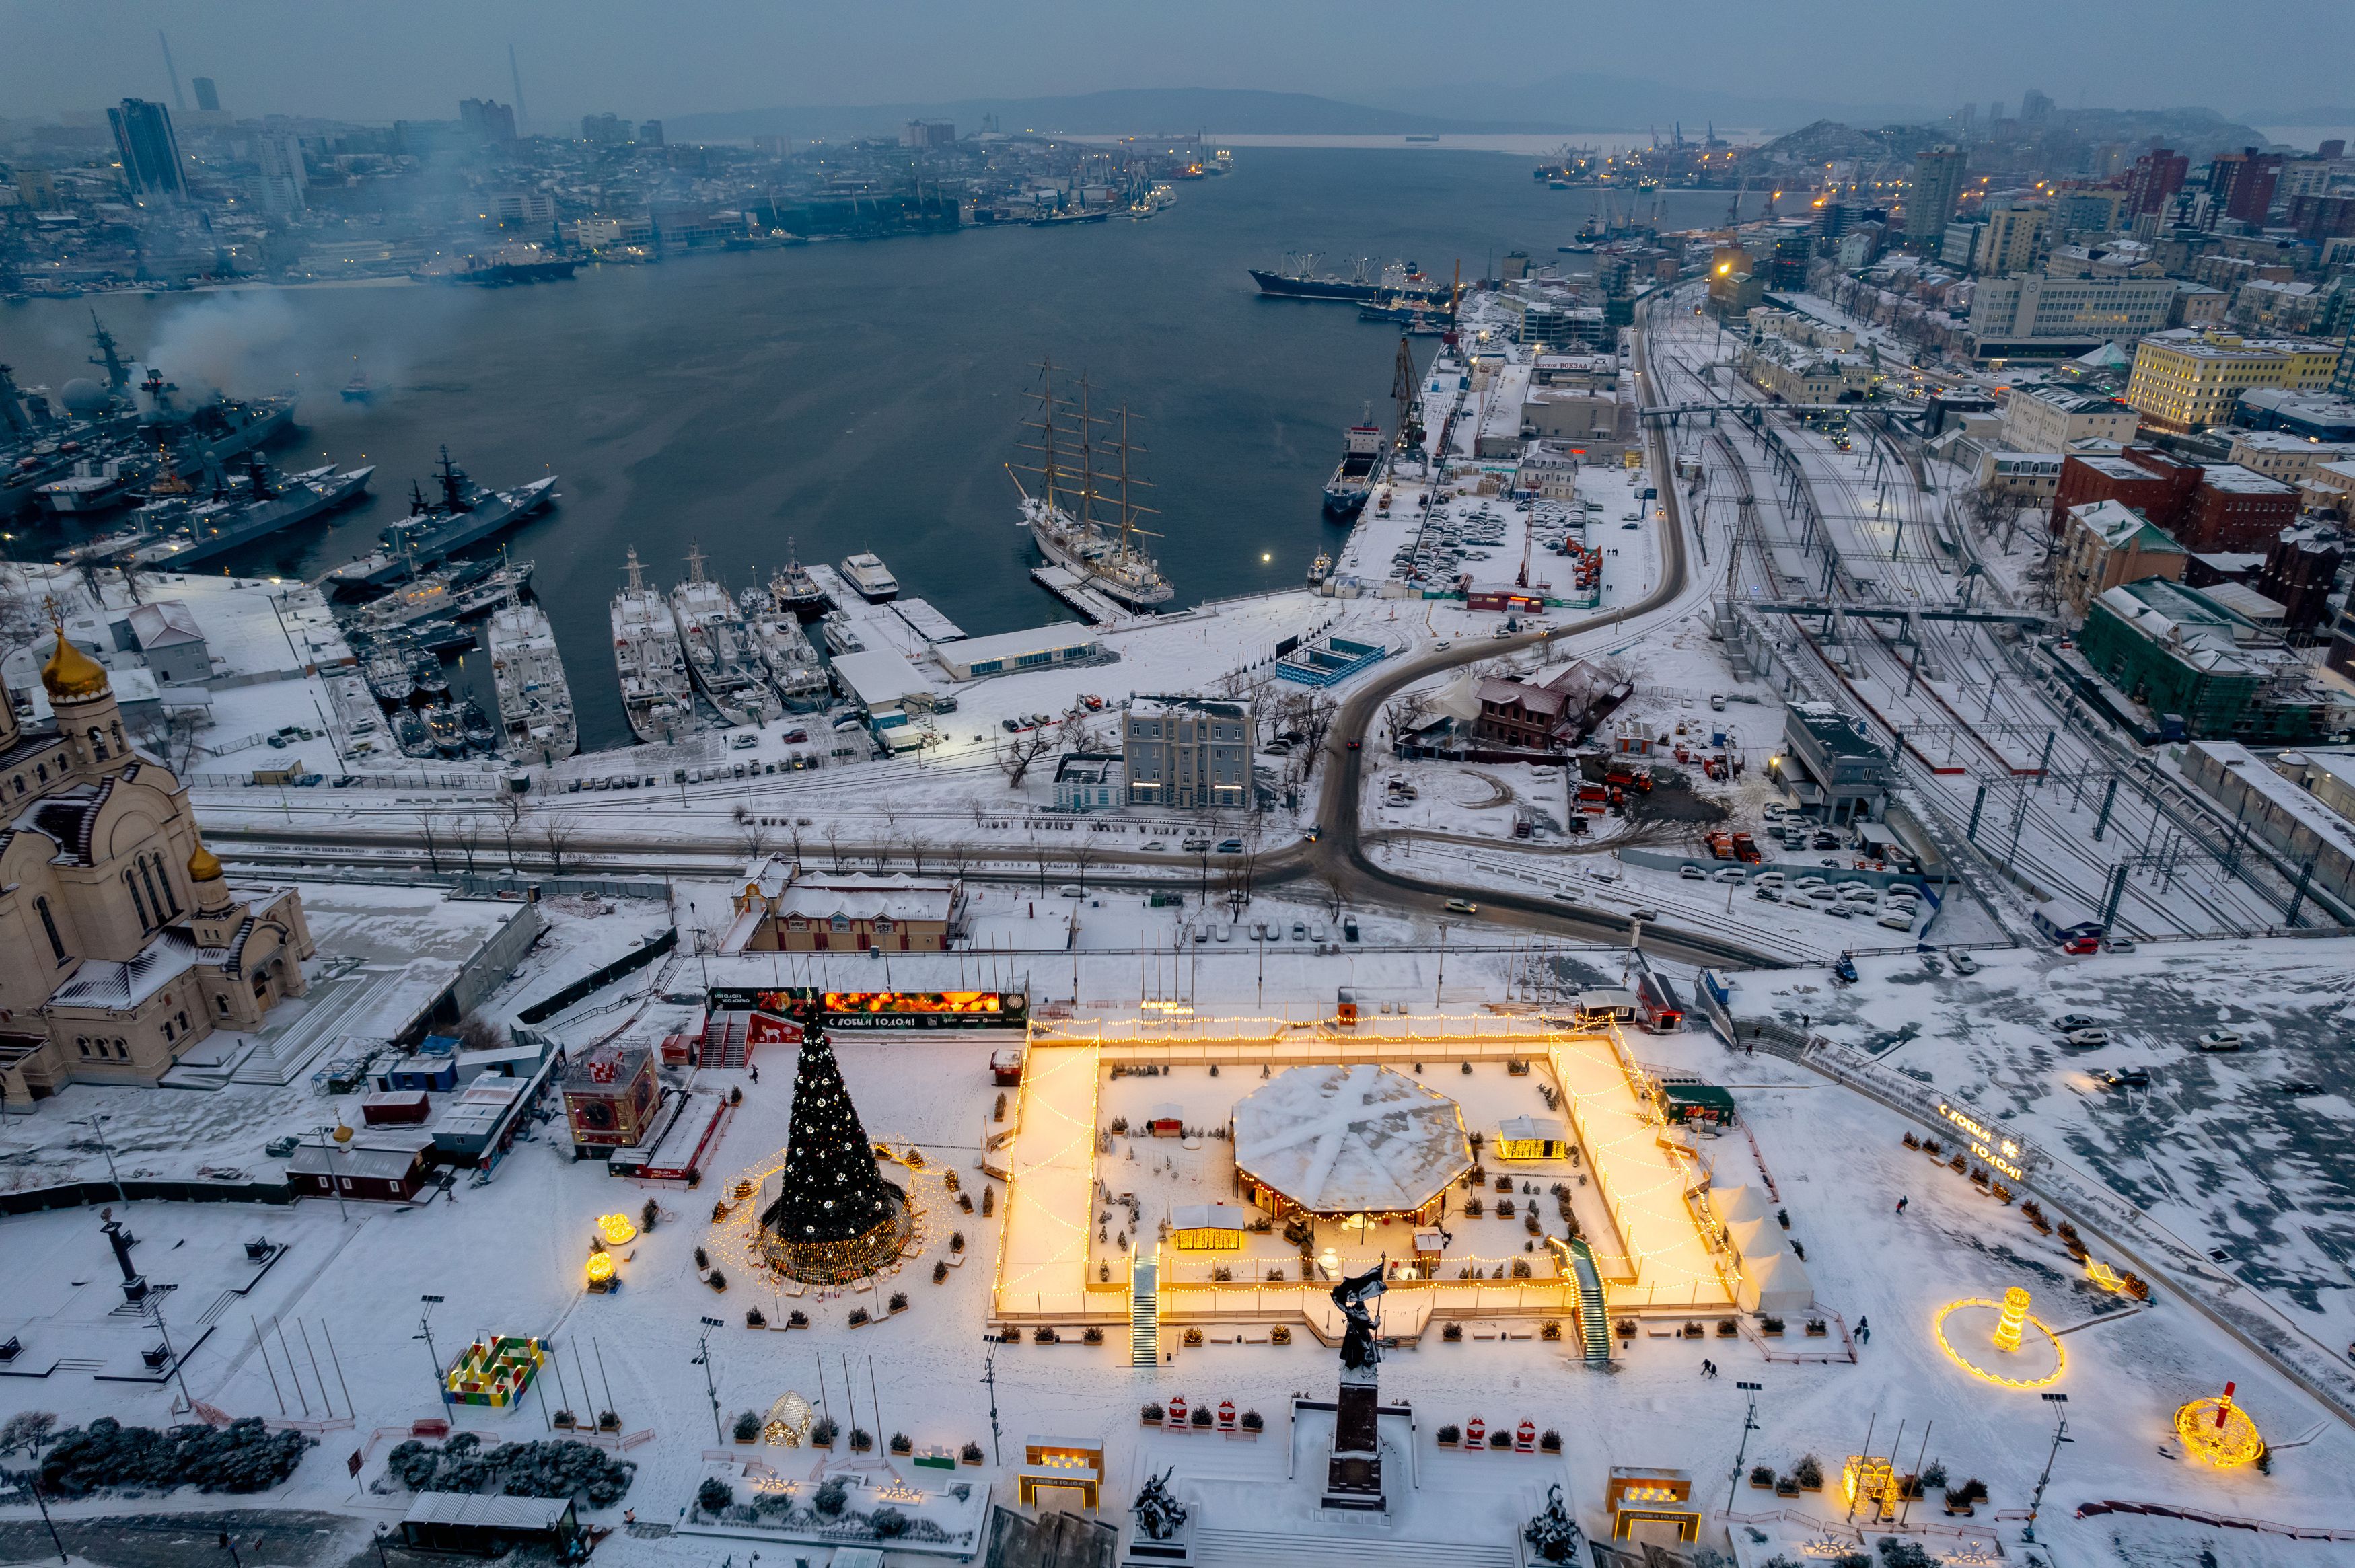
(244, 1457)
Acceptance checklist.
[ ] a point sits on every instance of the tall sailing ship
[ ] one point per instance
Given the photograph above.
(654, 689)
(1082, 518)
(720, 653)
(536, 722)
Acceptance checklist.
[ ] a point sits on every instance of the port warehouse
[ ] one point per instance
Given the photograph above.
(2289, 801)
(892, 689)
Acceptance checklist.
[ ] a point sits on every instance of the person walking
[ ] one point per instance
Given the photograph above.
(1863, 1330)
(1901, 1205)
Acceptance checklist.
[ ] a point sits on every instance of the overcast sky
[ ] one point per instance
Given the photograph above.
(379, 60)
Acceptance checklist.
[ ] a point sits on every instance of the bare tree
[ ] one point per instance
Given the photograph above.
(1084, 854)
(557, 831)
(918, 844)
(1312, 716)
(833, 844)
(509, 815)
(1404, 713)
(428, 838)
(466, 837)
(752, 828)
(1019, 751)
(1328, 892)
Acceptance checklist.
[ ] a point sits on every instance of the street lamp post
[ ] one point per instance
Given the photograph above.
(155, 1314)
(2058, 1402)
(326, 1158)
(425, 1332)
(1749, 1425)
(97, 1130)
(703, 1360)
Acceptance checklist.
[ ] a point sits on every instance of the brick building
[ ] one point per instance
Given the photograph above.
(2300, 567)
(2235, 508)
(2152, 482)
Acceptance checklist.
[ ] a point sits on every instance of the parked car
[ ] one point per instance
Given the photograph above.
(2119, 944)
(1823, 893)
(2069, 1020)
(1230, 846)
(2087, 1039)
(1692, 874)
(1300, 930)
(2218, 1040)
(1768, 891)
(1839, 911)
(2302, 1087)
(1157, 847)
(1964, 963)
(1726, 874)
(1896, 919)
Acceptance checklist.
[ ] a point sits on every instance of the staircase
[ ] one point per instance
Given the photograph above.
(723, 1044)
(1593, 1322)
(1144, 1314)
(279, 1061)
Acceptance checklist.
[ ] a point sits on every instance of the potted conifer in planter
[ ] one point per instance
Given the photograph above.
(748, 1427)
(861, 1440)
(1149, 1414)
(1763, 1478)
(822, 1432)
(1809, 1473)
(1449, 1436)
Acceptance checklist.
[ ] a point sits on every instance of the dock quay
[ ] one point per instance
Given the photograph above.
(1073, 589)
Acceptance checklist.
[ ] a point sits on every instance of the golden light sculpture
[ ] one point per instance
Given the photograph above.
(600, 1267)
(1867, 1480)
(789, 1420)
(2044, 1338)
(615, 1229)
(2219, 1432)
(2103, 1274)
(2007, 1329)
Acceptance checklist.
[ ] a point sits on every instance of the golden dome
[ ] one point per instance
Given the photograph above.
(71, 674)
(204, 865)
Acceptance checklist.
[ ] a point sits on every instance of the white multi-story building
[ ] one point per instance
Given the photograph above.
(2034, 315)
(1191, 753)
(2049, 420)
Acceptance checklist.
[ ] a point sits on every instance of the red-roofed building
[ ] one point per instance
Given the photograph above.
(2152, 482)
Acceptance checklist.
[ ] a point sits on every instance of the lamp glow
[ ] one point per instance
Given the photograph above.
(615, 1229)
(600, 1267)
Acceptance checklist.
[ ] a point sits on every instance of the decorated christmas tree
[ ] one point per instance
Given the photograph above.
(835, 1217)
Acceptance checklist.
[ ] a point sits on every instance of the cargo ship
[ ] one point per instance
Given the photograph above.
(464, 513)
(719, 652)
(1402, 282)
(1082, 518)
(1360, 470)
(535, 721)
(647, 655)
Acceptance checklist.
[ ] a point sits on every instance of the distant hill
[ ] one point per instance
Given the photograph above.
(2344, 114)
(1586, 100)
(1138, 109)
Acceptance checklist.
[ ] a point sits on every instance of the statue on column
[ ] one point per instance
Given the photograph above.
(1358, 1350)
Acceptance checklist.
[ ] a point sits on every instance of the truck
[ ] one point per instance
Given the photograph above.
(1746, 849)
(291, 773)
(1639, 779)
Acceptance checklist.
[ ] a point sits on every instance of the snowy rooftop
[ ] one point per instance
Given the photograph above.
(1359, 1139)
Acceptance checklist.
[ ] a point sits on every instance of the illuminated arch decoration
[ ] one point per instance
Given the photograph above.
(2029, 1361)
(2219, 1432)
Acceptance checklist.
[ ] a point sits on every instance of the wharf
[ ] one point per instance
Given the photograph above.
(925, 620)
(875, 624)
(1095, 608)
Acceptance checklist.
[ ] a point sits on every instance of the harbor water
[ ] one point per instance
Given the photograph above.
(858, 395)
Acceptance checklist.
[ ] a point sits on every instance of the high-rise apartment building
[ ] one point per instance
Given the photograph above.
(2008, 238)
(2242, 182)
(284, 184)
(2035, 108)
(207, 95)
(150, 153)
(1938, 173)
(2155, 175)
(486, 120)
(650, 135)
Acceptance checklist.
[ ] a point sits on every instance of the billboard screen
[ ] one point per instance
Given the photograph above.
(879, 1009)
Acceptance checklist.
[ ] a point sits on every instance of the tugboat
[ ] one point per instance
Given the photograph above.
(359, 389)
(409, 732)
(1360, 470)
(654, 691)
(796, 591)
(426, 673)
(718, 649)
(475, 724)
(449, 731)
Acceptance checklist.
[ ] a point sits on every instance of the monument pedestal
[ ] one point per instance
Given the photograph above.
(1353, 1472)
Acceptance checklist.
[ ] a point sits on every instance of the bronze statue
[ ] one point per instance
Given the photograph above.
(1359, 1349)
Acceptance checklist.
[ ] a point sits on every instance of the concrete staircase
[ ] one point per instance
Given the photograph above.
(287, 1056)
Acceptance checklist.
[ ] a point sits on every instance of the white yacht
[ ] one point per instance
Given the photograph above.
(654, 689)
(536, 722)
(866, 572)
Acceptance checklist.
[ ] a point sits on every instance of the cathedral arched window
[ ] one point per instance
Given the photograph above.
(49, 924)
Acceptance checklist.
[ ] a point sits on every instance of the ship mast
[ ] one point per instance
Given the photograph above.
(695, 563)
(637, 573)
